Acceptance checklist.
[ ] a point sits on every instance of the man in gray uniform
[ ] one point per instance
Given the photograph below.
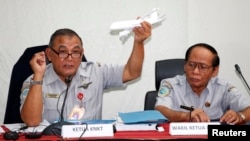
(43, 93)
(199, 95)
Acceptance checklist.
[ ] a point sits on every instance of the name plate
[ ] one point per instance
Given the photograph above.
(91, 130)
(190, 128)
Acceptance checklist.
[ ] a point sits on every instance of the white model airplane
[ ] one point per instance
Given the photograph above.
(152, 17)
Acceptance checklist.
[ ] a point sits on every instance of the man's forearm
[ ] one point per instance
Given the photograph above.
(31, 112)
(133, 67)
(173, 116)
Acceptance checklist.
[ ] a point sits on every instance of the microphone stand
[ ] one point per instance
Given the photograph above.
(237, 67)
(56, 128)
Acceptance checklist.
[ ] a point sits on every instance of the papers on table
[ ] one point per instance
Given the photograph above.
(139, 120)
(136, 127)
(147, 116)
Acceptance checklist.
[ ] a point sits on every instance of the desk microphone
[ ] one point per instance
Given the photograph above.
(187, 108)
(237, 67)
(190, 109)
(13, 135)
(55, 128)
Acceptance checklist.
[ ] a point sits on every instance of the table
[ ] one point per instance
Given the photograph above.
(129, 135)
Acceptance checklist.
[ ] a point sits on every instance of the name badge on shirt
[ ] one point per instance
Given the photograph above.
(52, 95)
(77, 113)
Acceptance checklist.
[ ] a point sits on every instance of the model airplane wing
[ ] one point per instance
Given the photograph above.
(152, 17)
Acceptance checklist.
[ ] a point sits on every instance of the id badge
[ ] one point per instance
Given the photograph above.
(77, 112)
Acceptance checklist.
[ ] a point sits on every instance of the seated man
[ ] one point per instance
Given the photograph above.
(43, 92)
(209, 97)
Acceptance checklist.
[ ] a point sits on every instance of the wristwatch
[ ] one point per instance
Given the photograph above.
(243, 117)
(34, 82)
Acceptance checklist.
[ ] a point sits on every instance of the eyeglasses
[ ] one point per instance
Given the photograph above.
(202, 67)
(64, 54)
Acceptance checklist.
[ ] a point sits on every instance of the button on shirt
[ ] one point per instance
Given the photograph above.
(98, 76)
(218, 97)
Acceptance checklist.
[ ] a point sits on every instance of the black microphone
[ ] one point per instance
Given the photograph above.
(187, 108)
(13, 135)
(56, 128)
(68, 80)
(190, 109)
(237, 67)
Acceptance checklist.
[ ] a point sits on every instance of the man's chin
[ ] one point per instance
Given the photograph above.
(195, 84)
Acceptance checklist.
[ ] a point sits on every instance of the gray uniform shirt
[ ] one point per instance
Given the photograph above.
(99, 77)
(218, 97)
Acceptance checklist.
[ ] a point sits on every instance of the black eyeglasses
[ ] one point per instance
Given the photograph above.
(190, 65)
(66, 54)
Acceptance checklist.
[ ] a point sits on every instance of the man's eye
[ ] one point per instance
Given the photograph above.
(204, 67)
(191, 64)
(76, 52)
(63, 52)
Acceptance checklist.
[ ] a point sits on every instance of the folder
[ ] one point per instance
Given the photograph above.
(146, 116)
(139, 120)
(136, 127)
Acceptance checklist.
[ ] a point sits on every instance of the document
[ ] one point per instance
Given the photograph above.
(146, 116)
(135, 127)
(139, 120)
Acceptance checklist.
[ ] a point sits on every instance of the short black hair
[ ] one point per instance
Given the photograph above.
(216, 59)
(63, 32)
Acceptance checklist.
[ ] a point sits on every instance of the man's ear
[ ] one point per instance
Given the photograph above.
(48, 53)
(215, 71)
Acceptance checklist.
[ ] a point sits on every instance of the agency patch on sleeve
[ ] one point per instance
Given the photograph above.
(165, 89)
(25, 92)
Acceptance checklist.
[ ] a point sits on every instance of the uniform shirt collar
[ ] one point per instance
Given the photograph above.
(83, 71)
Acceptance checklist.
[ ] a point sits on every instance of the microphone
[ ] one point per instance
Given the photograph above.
(13, 135)
(67, 81)
(55, 128)
(187, 108)
(237, 67)
(190, 109)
